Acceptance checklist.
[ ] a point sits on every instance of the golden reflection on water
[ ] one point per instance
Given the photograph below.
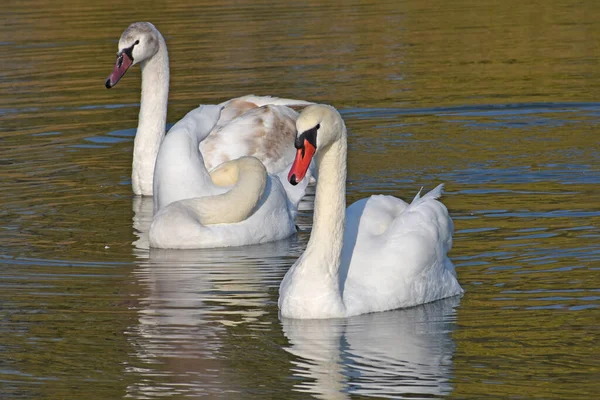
(493, 98)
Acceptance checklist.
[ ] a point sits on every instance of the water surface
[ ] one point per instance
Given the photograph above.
(498, 100)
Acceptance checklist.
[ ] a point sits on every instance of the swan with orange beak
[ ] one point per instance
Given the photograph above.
(311, 137)
(306, 145)
(379, 254)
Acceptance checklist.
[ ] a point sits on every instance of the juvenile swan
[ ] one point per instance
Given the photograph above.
(237, 204)
(257, 126)
(379, 254)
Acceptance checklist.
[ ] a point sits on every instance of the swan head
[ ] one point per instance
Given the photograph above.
(317, 127)
(228, 173)
(138, 43)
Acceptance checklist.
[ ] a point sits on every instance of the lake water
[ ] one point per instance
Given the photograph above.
(498, 100)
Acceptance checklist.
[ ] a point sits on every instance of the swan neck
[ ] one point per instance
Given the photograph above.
(311, 287)
(327, 235)
(237, 204)
(152, 118)
(247, 193)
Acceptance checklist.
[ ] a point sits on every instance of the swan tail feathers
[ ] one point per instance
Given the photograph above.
(433, 194)
(436, 193)
(418, 195)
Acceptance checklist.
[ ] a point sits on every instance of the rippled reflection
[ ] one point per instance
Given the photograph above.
(194, 297)
(142, 218)
(396, 354)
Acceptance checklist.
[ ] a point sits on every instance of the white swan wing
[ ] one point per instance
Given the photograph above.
(179, 171)
(200, 121)
(399, 258)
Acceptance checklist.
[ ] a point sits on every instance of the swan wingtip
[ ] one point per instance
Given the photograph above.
(418, 195)
(435, 193)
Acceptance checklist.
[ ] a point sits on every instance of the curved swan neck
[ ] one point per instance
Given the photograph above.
(241, 201)
(152, 117)
(238, 203)
(180, 172)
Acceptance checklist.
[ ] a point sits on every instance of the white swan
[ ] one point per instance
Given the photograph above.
(195, 209)
(380, 254)
(257, 126)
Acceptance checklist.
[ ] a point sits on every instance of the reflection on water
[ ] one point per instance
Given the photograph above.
(195, 300)
(396, 354)
(142, 218)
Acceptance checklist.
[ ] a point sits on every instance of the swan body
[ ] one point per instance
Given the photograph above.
(237, 203)
(259, 126)
(380, 254)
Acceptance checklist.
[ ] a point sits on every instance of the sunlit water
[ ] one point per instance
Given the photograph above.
(498, 100)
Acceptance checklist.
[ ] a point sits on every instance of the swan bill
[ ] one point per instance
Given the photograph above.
(301, 163)
(124, 61)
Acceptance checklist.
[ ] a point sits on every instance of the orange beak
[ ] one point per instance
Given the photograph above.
(301, 162)
(121, 66)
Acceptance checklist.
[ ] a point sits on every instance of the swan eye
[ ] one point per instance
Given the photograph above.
(129, 51)
(310, 136)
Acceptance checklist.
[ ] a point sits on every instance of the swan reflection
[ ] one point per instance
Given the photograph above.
(142, 218)
(397, 354)
(191, 300)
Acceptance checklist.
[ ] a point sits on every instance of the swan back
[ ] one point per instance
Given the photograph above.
(259, 101)
(266, 133)
(396, 256)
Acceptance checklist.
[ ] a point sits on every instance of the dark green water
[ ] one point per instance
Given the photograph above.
(499, 100)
